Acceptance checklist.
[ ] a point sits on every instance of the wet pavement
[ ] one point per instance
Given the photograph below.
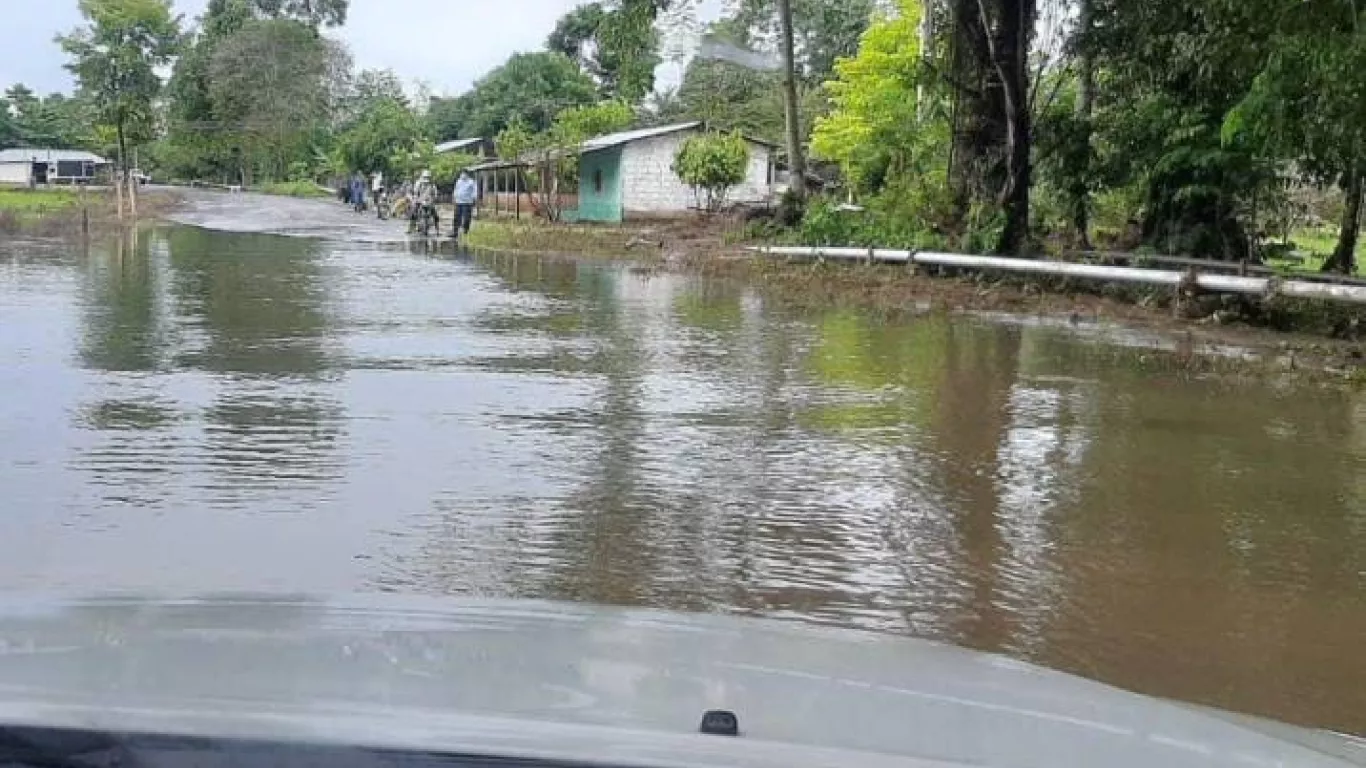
(246, 212)
(205, 410)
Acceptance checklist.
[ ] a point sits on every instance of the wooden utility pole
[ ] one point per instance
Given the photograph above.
(1086, 100)
(796, 156)
(133, 188)
(926, 53)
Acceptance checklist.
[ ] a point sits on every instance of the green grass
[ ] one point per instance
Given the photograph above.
(534, 235)
(1315, 244)
(36, 202)
(294, 189)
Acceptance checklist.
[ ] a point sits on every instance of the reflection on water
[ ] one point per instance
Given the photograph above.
(200, 411)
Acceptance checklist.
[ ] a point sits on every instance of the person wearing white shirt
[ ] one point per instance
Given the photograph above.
(466, 194)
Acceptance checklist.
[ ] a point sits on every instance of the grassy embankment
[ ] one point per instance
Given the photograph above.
(534, 235)
(305, 189)
(54, 212)
(44, 211)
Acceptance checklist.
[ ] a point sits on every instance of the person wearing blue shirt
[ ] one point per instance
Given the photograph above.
(466, 194)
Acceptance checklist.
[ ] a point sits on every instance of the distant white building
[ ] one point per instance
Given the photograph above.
(479, 147)
(630, 174)
(23, 167)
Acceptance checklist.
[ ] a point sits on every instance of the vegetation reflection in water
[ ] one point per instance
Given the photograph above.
(253, 412)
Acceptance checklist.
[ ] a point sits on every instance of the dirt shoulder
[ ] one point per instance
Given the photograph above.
(1312, 339)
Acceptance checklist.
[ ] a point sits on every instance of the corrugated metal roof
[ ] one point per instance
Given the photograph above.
(49, 156)
(626, 137)
(451, 146)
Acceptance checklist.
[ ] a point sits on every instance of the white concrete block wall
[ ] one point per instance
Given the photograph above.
(15, 173)
(756, 187)
(650, 186)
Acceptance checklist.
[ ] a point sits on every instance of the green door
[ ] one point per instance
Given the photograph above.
(600, 186)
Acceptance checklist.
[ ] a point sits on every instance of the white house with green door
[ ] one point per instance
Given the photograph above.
(630, 175)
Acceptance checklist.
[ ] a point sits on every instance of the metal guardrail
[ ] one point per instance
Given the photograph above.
(1220, 283)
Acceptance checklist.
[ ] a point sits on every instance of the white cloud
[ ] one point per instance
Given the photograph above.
(447, 43)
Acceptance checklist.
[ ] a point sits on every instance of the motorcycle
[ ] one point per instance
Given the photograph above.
(427, 219)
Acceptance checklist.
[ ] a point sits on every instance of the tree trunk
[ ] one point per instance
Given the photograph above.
(1344, 258)
(926, 53)
(795, 154)
(1086, 64)
(1010, 51)
(132, 190)
(1086, 99)
(979, 125)
(121, 171)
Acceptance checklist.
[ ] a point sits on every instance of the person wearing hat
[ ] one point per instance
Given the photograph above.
(424, 200)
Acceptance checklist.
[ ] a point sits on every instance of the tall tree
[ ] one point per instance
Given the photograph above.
(315, 13)
(52, 122)
(387, 129)
(824, 30)
(1305, 106)
(616, 42)
(22, 99)
(197, 138)
(9, 129)
(796, 152)
(576, 36)
(1085, 110)
(878, 129)
(1173, 71)
(1009, 26)
(531, 87)
(733, 97)
(268, 84)
(628, 49)
(366, 89)
(115, 57)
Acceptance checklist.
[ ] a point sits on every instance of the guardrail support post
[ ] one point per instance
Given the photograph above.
(1185, 293)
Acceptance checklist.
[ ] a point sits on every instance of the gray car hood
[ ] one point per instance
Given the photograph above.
(582, 683)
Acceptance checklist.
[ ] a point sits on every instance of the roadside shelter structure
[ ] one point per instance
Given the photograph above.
(33, 166)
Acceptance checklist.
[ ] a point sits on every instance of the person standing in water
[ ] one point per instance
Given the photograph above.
(377, 193)
(358, 192)
(466, 194)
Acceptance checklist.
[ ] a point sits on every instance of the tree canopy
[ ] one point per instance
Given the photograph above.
(57, 120)
(531, 87)
(115, 56)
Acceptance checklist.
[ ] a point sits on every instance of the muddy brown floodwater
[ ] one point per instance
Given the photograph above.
(202, 411)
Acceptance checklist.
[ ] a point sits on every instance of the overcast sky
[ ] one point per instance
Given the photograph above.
(446, 43)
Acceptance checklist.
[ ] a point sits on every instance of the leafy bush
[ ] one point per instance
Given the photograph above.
(446, 167)
(385, 128)
(909, 213)
(712, 164)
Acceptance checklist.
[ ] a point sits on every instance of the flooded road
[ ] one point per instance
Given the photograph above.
(211, 411)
